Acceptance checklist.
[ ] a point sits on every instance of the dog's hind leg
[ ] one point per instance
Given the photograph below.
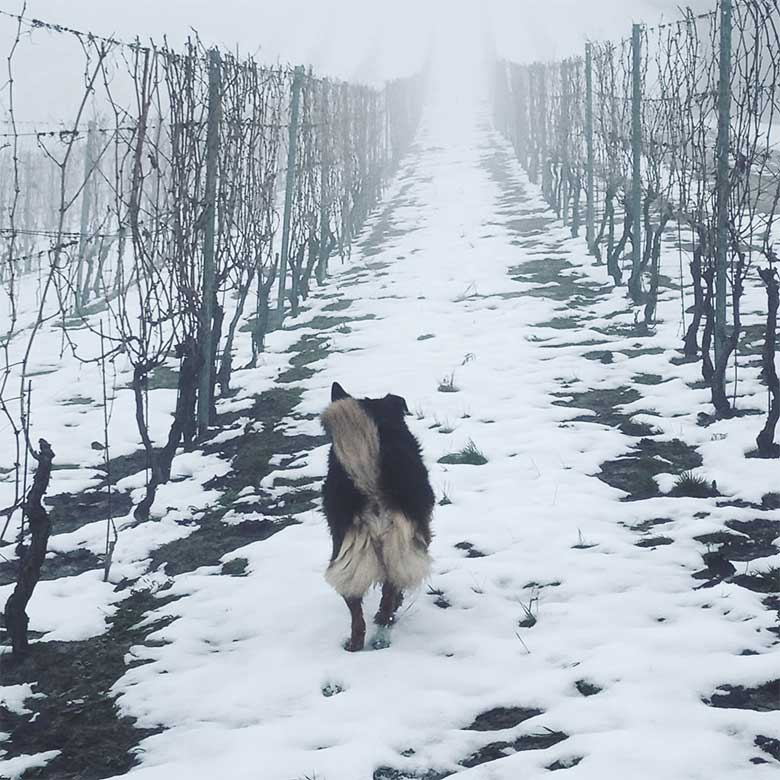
(358, 635)
(392, 598)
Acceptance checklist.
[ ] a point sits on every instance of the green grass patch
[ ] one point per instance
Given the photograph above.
(470, 455)
(694, 486)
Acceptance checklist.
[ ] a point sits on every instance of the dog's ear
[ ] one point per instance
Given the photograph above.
(337, 392)
(398, 404)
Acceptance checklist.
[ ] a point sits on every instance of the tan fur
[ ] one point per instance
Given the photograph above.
(381, 546)
(355, 442)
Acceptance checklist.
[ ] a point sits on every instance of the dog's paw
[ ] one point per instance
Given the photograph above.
(381, 639)
(354, 645)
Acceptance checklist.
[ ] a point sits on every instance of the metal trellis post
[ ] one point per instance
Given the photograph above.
(292, 153)
(636, 160)
(209, 293)
(543, 130)
(590, 228)
(564, 135)
(325, 194)
(86, 209)
(722, 203)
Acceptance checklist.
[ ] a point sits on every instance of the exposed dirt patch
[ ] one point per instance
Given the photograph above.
(704, 419)
(388, 773)
(634, 471)
(502, 718)
(648, 379)
(769, 745)
(212, 540)
(557, 285)
(382, 230)
(654, 541)
(471, 551)
(564, 763)
(587, 688)
(532, 225)
(235, 567)
(64, 564)
(497, 750)
(762, 698)
(770, 501)
(562, 323)
(250, 458)
(744, 541)
(754, 539)
(71, 511)
(340, 304)
(441, 599)
(759, 582)
(646, 525)
(717, 568)
(605, 356)
(603, 403)
(78, 715)
(250, 453)
(309, 349)
(322, 322)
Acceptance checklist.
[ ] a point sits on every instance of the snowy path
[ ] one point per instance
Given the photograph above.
(541, 602)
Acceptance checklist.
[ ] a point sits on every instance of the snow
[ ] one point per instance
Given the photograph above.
(13, 768)
(13, 697)
(250, 680)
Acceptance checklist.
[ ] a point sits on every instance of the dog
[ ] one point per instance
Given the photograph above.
(378, 503)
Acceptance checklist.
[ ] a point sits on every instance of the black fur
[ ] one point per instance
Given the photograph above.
(403, 476)
(341, 501)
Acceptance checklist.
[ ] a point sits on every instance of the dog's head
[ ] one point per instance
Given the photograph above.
(390, 408)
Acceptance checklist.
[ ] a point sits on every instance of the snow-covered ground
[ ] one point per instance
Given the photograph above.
(550, 597)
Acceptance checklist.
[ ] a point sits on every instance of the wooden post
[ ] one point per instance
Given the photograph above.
(292, 153)
(590, 227)
(209, 234)
(16, 620)
(722, 201)
(635, 282)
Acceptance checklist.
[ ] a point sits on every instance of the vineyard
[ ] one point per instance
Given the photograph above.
(666, 141)
(186, 190)
(568, 269)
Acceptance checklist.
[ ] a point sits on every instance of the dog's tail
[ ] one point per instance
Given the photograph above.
(355, 442)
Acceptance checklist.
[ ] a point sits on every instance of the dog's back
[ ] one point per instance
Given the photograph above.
(377, 497)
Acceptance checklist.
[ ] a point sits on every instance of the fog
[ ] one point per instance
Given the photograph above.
(359, 40)
(348, 39)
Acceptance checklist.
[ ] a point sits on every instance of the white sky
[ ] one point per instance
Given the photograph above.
(356, 40)
(361, 39)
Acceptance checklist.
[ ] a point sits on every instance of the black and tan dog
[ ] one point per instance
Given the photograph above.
(378, 504)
